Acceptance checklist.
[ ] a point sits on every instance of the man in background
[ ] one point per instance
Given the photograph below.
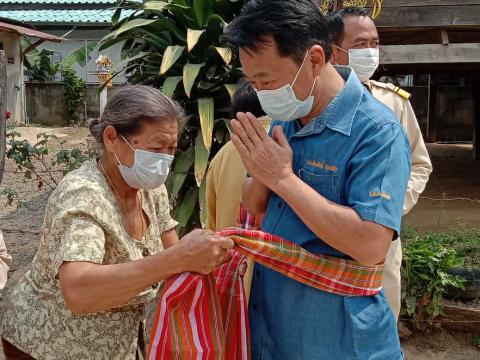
(226, 174)
(355, 42)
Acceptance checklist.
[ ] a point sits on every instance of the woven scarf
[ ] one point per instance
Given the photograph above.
(206, 317)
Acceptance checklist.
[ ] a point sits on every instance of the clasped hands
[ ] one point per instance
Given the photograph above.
(267, 159)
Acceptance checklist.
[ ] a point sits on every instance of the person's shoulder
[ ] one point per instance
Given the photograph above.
(372, 112)
(389, 89)
(227, 153)
(84, 185)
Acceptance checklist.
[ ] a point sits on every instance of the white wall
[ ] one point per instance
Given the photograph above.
(77, 39)
(16, 86)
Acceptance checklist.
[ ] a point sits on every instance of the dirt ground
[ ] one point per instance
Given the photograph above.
(456, 180)
(455, 175)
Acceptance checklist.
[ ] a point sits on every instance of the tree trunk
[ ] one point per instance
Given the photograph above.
(3, 111)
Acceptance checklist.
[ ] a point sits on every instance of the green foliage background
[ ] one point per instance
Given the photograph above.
(175, 46)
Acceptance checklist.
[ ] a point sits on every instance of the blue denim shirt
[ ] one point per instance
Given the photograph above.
(356, 154)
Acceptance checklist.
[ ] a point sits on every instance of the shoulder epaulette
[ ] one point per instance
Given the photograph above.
(399, 91)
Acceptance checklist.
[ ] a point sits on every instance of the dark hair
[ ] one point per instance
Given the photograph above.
(295, 25)
(130, 107)
(245, 99)
(335, 21)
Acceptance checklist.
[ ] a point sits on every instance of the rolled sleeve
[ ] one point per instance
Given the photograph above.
(378, 176)
(81, 239)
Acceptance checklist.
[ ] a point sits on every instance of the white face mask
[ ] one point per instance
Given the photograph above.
(282, 103)
(149, 169)
(364, 62)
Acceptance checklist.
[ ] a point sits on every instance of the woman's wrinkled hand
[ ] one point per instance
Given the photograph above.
(203, 251)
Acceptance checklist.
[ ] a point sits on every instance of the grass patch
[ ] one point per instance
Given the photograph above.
(464, 239)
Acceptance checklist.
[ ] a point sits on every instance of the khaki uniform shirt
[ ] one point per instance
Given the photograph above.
(82, 223)
(397, 100)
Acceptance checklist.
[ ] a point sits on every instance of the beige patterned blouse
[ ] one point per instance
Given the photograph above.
(82, 223)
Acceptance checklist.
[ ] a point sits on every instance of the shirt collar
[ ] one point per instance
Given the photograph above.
(340, 112)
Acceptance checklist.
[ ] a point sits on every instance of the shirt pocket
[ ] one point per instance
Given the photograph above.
(325, 184)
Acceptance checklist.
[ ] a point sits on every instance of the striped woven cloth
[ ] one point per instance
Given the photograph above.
(206, 317)
(328, 273)
(202, 316)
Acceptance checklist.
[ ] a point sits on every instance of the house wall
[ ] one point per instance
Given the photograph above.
(77, 39)
(15, 89)
(45, 104)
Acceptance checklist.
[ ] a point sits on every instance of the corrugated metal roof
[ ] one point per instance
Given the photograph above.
(97, 16)
(26, 31)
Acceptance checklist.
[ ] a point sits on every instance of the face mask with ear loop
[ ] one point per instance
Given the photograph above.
(282, 104)
(149, 169)
(363, 61)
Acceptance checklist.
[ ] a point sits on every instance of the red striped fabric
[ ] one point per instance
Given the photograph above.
(202, 316)
(205, 316)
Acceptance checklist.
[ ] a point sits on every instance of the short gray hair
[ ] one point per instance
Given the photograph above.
(131, 106)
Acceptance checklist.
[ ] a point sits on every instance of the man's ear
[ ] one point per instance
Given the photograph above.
(317, 59)
(317, 55)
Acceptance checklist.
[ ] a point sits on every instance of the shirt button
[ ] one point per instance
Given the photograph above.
(254, 307)
(145, 252)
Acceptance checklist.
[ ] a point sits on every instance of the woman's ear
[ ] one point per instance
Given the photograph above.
(110, 138)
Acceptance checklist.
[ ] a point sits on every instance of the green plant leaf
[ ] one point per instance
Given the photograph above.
(185, 210)
(170, 56)
(116, 16)
(154, 5)
(170, 84)
(202, 199)
(206, 113)
(192, 38)
(129, 25)
(225, 53)
(190, 73)
(122, 64)
(176, 179)
(231, 88)
(79, 56)
(201, 158)
(202, 9)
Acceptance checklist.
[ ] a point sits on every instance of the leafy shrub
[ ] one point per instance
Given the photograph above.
(74, 92)
(33, 159)
(424, 276)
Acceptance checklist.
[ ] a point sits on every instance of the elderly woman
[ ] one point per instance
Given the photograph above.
(107, 241)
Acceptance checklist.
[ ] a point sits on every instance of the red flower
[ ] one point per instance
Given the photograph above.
(8, 115)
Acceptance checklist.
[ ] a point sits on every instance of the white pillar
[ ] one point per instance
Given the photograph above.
(103, 100)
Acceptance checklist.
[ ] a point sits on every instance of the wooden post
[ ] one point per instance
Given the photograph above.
(432, 112)
(476, 116)
(3, 111)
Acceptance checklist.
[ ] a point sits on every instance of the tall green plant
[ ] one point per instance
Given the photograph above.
(74, 92)
(175, 46)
